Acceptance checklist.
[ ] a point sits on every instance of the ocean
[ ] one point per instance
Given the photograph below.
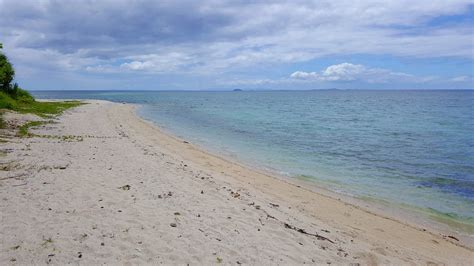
(408, 148)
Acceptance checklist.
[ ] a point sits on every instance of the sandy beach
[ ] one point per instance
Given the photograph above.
(100, 185)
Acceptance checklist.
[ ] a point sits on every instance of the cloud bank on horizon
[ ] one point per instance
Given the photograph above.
(214, 44)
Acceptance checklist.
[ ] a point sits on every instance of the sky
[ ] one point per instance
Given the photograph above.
(224, 45)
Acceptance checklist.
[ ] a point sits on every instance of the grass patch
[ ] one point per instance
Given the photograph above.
(23, 131)
(47, 109)
(21, 101)
(27, 104)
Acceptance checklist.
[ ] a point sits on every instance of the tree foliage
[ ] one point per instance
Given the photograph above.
(7, 75)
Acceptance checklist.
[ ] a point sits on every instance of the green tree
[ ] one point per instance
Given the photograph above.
(7, 73)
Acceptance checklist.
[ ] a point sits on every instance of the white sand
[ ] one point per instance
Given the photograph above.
(61, 202)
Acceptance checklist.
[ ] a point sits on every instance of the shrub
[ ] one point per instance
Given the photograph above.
(7, 102)
(21, 95)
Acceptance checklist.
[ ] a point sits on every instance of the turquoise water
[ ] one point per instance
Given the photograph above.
(412, 148)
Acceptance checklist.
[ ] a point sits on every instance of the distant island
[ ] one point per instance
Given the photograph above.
(237, 90)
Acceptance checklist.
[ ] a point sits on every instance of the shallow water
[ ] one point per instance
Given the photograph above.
(411, 148)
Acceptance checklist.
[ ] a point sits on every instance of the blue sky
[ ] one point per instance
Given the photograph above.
(210, 44)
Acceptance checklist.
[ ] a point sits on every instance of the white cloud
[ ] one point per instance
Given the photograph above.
(344, 71)
(352, 72)
(462, 79)
(101, 69)
(304, 75)
(138, 65)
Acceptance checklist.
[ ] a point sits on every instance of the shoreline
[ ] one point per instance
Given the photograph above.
(407, 216)
(418, 218)
(148, 196)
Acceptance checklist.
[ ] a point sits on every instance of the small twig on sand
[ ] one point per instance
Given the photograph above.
(300, 230)
(452, 237)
